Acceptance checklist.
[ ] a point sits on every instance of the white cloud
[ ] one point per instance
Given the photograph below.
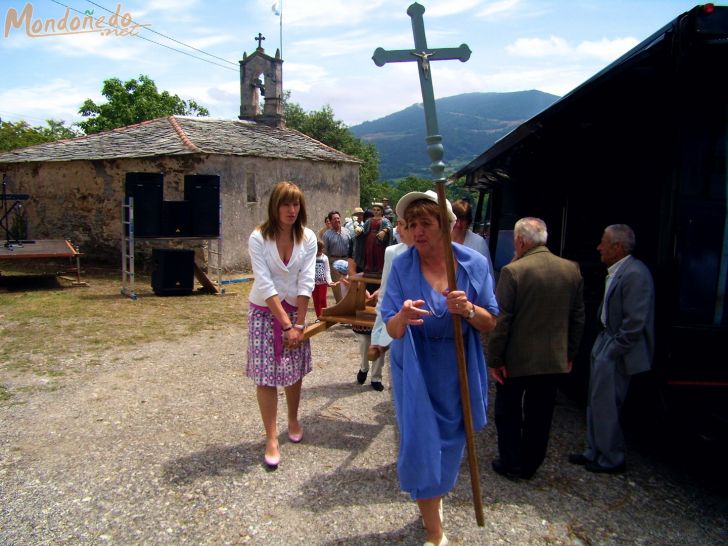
(364, 43)
(221, 99)
(313, 72)
(95, 46)
(332, 12)
(300, 79)
(555, 46)
(606, 50)
(539, 47)
(557, 80)
(173, 6)
(207, 41)
(498, 9)
(57, 99)
(170, 5)
(374, 94)
(298, 85)
(448, 7)
(329, 46)
(354, 41)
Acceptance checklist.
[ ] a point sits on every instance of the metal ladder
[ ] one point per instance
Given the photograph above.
(127, 247)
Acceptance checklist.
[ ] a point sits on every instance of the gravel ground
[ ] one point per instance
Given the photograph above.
(163, 445)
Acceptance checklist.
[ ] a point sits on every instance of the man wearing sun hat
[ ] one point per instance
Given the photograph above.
(388, 212)
(356, 222)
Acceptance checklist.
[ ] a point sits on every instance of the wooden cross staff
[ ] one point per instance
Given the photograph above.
(424, 55)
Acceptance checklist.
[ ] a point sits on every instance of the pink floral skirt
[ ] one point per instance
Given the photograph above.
(269, 363)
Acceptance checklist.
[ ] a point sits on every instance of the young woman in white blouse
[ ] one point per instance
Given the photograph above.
(283, 255)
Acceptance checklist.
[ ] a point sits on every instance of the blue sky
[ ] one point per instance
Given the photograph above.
(549, 45)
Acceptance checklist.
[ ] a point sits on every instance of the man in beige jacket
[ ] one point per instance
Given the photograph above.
(534, 343)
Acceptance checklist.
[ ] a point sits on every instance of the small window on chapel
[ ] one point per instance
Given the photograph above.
(252, 195)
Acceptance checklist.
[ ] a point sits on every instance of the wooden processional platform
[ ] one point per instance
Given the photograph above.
(354, 308)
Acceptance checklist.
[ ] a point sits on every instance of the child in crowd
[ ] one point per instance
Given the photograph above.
(322, 280)
(364, 334)
(342, 267)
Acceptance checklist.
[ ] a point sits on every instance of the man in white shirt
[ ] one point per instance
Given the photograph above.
(624, 346)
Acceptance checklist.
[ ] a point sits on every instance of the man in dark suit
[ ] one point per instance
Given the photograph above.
(624, 347)
(536, 338)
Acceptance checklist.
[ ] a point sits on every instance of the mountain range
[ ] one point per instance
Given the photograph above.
(469, 124)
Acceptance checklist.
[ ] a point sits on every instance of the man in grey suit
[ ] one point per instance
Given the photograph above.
(536, 338)
(624, 347)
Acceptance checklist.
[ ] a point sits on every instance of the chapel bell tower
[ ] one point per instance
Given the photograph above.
(270, 87)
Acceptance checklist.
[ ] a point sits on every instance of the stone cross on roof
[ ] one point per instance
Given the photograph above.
(260, 39)
(424, 55)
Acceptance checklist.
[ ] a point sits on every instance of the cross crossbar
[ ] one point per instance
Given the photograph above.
(382, 56)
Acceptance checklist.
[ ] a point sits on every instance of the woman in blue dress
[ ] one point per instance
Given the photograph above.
(418, 308)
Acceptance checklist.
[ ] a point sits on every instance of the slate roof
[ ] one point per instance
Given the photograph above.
(181, 135)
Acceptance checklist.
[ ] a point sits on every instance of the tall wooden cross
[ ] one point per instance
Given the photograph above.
(424, 55)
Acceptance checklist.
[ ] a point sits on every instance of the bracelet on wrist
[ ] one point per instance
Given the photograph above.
(299, 327)
(288, 328)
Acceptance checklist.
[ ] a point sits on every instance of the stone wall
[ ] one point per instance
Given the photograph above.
(81, 200)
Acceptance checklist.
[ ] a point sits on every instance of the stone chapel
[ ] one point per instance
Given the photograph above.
(77, 186)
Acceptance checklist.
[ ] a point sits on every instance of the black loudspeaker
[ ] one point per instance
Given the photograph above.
(176, 219)
(146, 189)
(203, 191)
(174, 271)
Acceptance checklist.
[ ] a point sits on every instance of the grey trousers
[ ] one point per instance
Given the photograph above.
(608, 384)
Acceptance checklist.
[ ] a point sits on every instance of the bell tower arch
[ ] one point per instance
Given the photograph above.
(261, 77)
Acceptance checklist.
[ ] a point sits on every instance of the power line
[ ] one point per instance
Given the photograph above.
(164, 45)
(23, 116)
(165, 36)
(236, 69)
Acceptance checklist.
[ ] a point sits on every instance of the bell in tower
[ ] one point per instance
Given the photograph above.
(261, 76)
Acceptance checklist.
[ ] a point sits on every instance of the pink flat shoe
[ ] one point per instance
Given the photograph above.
(295, 438)
(272, 462)
(443, 542)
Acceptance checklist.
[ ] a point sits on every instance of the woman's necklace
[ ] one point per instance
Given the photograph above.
(427, 290)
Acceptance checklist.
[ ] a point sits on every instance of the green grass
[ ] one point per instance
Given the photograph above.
(48, 328)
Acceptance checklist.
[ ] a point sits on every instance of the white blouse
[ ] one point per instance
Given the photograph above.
(273, 277)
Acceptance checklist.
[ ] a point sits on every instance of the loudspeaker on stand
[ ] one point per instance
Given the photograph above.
(146, 189)
(203, 192)
(174, 271)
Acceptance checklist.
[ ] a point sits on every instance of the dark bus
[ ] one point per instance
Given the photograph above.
(644, 142)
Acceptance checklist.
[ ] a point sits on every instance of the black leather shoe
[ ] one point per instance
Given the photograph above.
(377, 386)
(361, 377)
(593, 466)
(509, 473)
(578, 458)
